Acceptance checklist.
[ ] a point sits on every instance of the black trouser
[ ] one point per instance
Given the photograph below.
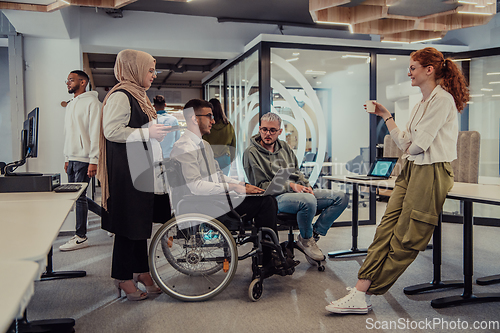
(262, 209)
(129, 256)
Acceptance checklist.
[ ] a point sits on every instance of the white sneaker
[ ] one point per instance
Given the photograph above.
(74, 243)
(310, 248)
(354, 302)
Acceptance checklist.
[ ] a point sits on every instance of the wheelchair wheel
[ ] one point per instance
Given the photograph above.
(255, 290)
(193, 257)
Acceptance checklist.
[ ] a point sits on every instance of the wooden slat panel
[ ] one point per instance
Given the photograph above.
(381, 27)
(338, 14)
(362, 14)
(23, 6)
(315, 5)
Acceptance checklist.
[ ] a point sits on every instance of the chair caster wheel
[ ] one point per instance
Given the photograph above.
(255, 290)
(321, 268)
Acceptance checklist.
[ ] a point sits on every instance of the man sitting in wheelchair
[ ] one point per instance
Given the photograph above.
(211, 188)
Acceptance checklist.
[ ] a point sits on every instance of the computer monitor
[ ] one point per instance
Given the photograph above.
(29, 145)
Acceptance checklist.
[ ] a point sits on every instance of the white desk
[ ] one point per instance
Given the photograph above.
(29, 224)
(28, 228)
(16, 292)
(468, 194)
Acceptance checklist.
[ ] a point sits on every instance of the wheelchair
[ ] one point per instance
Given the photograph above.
(194, 256)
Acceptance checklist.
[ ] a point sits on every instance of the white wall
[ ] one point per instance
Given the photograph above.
(6, 153)
(48, 62)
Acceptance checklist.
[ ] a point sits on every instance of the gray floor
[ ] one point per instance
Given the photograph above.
(289, 304)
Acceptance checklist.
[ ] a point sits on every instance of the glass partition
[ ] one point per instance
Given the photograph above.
(243, 105)
(484, 117)
(320, 96)
(214, 89)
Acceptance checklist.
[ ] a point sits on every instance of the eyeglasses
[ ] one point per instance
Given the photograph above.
(71, 80)
(413, 68)
(270, 130)
(211, 116)
(153, 71)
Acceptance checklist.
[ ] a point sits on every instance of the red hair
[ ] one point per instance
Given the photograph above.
(448, 75)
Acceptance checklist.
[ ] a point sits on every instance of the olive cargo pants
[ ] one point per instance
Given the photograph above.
(408, 223)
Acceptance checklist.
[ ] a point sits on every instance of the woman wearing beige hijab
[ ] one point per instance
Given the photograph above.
(130, 138)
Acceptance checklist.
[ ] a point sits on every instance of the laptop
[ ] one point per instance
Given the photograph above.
(277, 185)
(380, 169)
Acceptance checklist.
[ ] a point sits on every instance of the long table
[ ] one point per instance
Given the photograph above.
(29, 224)
(468, 194)
(17, 291)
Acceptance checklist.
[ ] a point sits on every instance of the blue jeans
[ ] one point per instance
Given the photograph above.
(330, 203)
(77, 173)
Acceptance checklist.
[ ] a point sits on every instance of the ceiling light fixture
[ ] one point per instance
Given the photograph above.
(355, 56)
(282, 81)
(319, 82)
(493, 73)
(477, 95)
(477, 6)
(394, 42)
(337, 23)
(292, 59)
(467, 2)
(426, 40)
(495, 82)
(474, 13)
(495, 95)
(295, 54)
(310, 71)
(392, 59)
(463, 59)
(486, 89)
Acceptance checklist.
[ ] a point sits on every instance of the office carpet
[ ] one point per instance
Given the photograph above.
(289, 304)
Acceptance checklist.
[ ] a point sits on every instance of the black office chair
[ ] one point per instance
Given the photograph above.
(290, 221)
(193, 256)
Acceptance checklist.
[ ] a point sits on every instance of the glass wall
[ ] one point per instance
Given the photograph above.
(214, 89)
(484, 117)
(243, 105)
(320, 96)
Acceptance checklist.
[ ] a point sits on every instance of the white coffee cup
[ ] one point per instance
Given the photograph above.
(370, 107)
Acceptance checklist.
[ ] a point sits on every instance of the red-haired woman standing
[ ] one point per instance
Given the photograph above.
(429, 142)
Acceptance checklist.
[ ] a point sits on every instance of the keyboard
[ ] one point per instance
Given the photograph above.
(68, 188)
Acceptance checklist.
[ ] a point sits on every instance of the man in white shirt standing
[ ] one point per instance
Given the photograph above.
(168, 120)
(81, 149)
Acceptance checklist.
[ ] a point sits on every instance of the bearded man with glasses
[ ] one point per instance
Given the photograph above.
(264, 158)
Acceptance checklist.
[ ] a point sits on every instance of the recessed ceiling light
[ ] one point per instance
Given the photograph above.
(310, 71)
(493, 73)
(495, 82)
(486, 89)
(392, 59)
(282, 81)
(292, 59)
(477, 95)
(464, 59)
(469, 102)
(495, 95)
(319, 82)
(295, 54)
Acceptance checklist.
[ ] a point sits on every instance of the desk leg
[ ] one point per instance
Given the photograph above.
(488, 280)
(467, 296)
(355, 220)
(436, 260)
(65, 325)
(49, 273)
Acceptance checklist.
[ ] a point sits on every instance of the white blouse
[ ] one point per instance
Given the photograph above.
(433, 127)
